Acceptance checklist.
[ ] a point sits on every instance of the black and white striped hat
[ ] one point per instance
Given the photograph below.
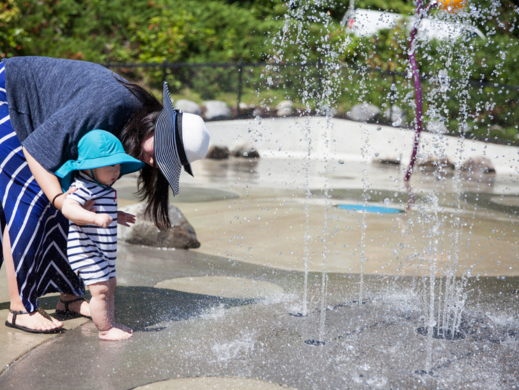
(180, 139)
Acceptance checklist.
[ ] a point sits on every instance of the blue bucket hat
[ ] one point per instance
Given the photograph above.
(96, 149)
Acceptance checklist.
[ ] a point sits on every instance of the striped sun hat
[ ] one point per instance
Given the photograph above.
(180, 139)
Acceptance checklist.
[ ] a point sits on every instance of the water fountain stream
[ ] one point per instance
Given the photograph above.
(444, 265)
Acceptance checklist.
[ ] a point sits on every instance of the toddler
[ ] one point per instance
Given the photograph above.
(92, 237)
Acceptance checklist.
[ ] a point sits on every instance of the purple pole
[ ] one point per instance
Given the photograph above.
(417, 86)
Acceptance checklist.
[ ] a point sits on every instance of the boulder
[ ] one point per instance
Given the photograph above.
(215, 109)
(437, 127)
(245, 151)
(434, 162)
(181, 235)
(396, 116)
(218, 152)
(478, 164)
(188, 106)
(364, 112)
(497, 128)
(258, 111)
(330, 113)
(246, 110)
(285, 108)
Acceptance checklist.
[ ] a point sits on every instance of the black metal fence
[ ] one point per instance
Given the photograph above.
(492, 108)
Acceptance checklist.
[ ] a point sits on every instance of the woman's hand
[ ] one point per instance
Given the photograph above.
(60, 200)
(125, 218)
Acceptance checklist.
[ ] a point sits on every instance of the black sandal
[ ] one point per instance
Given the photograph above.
(25, 329)
(69, 313)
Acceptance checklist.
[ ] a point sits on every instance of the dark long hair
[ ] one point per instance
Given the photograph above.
(152, 186)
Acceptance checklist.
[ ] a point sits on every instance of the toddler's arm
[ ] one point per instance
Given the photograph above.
(125, 218)
(77, 214)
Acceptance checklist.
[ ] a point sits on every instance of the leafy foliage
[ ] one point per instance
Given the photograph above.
(218, 31)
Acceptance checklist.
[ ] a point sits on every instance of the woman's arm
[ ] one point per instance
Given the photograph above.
(48, 182)
(76, 213)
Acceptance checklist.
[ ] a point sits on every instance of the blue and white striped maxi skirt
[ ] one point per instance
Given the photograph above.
(38, 232)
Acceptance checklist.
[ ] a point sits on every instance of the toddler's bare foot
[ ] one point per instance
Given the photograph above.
(124, 328)
(114, 334)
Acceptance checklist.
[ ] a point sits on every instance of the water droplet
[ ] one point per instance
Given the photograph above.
(341, 161)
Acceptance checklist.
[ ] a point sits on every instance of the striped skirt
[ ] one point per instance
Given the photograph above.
(38, 232)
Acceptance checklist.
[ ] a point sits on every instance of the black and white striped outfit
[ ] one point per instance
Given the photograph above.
(91, 249)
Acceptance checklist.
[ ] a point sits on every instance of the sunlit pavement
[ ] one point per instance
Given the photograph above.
(224, 310)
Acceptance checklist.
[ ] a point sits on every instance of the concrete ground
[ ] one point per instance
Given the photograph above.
(228, 315)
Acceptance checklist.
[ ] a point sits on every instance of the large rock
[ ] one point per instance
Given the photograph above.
(396, 116)
(437, 127)
(218, 152)
(477, 165)
(434, 162)
(285, 108)
(364, 112)
(188, 106)
(245, 151)
(215, 109)
(181, 235)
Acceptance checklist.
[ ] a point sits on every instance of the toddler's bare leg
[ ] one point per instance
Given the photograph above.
(102, 310)
(112, 303)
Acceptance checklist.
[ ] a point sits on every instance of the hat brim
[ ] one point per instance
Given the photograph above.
(168, 148)
(128, 165)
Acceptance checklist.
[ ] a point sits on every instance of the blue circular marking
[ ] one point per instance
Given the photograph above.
(370, 209)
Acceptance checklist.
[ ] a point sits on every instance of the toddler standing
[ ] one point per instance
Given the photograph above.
(92, 244)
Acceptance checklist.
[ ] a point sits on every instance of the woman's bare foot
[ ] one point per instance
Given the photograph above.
(35, 321)
(80, 307)
(115, 333)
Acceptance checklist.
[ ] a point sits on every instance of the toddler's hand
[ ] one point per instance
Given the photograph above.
(125, 218)
(103, 220)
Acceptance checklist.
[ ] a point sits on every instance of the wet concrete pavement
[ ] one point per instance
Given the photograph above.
(195, 316)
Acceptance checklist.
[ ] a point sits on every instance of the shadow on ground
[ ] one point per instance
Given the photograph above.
(141, 308)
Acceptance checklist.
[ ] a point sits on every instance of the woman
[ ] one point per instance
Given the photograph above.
(46, 106)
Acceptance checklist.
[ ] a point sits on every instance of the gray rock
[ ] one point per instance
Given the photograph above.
(478, 164)
(245, 151)
(258, 111)
(218, 152)
(497, 128)
(388, 158)
(215, 109)
(285, 108)
(188, 106)
(437, 127)
(331, 112)
(364, 112)
(396, 116)
(181, 235)
(434, 162)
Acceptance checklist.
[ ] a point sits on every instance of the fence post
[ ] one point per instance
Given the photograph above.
(107, 63)
(240, 84)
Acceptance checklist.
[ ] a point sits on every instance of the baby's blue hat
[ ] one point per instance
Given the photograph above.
(96, 149)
